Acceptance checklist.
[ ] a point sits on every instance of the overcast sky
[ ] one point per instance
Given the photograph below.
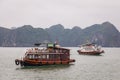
(69, 13)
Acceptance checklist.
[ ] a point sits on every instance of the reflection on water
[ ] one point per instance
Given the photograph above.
(46, 67)
(87, 67)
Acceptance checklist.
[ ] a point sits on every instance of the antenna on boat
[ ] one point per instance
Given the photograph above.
(56, 42)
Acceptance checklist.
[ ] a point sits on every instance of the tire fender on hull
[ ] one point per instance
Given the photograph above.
(17, 62)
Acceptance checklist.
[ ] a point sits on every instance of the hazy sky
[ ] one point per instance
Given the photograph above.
(69, 13)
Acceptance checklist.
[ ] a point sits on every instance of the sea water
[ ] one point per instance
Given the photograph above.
(103, 67)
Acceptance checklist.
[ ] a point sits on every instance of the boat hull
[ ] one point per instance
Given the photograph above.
(90, 53)
(41, 63)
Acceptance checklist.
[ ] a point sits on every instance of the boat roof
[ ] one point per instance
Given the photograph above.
(51, 45)
(44, 53)
(61, 48)
(88, 44)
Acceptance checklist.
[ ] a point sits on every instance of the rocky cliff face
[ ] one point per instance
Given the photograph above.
(104, 34)
(3, 33)
(108, 35)
(24, 36)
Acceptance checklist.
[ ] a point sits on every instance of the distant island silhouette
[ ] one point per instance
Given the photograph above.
(104, 34)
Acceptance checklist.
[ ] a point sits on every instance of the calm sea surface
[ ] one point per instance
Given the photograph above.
(104, 67)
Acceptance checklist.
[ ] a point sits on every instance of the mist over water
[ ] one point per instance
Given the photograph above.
(103, 67)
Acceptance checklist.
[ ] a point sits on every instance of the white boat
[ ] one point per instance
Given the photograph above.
(90, 49)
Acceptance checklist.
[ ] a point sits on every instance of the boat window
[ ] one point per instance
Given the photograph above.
(64, 51)
(43, 56)
(36, 56)
(63, 57)
(39, 57)
(56, 51)
(51, 56)
(30, 56)
(33, 56)
(27, 56)
(47, 56)
(57, 56)
(60, 51)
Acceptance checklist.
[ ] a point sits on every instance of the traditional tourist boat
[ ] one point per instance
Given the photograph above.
(90, 49)
(52, 54)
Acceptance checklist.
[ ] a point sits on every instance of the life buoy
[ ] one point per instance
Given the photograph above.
(17, 62)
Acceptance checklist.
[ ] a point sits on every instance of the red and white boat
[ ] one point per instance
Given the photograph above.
(90, 49)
